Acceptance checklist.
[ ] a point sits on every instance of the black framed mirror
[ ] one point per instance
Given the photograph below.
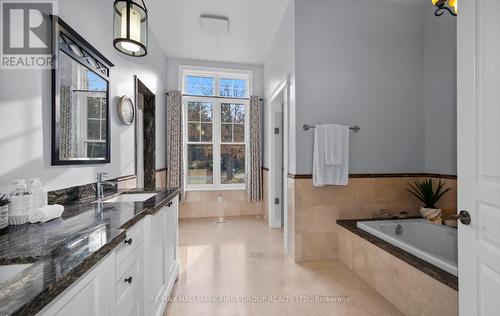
(80, 100)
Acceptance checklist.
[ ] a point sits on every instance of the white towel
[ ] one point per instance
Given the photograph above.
(46, 213)
(333, 144)
(324, 174)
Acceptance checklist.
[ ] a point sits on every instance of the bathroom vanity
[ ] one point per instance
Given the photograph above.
(117, 256)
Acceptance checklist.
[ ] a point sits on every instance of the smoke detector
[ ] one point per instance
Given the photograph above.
(214, 25)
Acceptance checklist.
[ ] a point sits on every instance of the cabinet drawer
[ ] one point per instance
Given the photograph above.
(134, 238)
(132, 303)
(129, 274)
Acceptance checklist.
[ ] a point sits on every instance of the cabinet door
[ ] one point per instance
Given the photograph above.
(169, 241)
(171, 238)
(92, 295)
(154, 263)
(157, 253)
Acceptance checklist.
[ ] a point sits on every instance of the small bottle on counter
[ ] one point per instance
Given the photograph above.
(21, 201)
(39, 193)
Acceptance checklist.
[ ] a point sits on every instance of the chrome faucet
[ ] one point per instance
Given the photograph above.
(99, 191)
(399, 230)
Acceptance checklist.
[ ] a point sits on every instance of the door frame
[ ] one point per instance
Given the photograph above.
(141, 136)
(282, 89)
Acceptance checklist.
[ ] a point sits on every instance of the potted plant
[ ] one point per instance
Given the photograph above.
(4, 212)
(424, 191)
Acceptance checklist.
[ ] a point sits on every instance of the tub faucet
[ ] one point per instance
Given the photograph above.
(99, 190)
(399, 230)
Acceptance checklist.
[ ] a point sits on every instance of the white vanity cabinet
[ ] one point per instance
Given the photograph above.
(91, 295)
(129, 274)
(162, 266)
(136, 278)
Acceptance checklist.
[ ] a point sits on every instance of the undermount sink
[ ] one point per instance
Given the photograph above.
(128, 197)
(10, 271)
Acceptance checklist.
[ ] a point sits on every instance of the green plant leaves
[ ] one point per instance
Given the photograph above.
(424, 191)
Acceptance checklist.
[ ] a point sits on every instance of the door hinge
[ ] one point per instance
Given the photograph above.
(276, 130)
(276, 201)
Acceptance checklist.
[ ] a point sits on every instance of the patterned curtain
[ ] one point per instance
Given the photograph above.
(68, 146)
(254, 176)
(175, 160)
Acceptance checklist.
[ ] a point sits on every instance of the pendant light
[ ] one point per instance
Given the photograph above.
(130, 20)
(445, 5)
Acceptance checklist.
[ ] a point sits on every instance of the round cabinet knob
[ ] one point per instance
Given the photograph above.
(128, 241)
(464, 217)
(128, 280)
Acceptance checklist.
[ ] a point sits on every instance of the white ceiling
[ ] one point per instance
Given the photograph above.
(412, 2)
(252, 25)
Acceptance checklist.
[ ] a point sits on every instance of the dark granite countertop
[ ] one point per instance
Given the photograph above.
(64, 249)
(422, 265)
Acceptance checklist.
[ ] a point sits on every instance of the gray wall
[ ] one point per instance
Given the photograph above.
(279, 63)
(440, 93)
(174, 63)
(362, 62)
(25, 104)
(385, 66)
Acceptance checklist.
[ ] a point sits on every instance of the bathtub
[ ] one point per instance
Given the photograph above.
(436, 244)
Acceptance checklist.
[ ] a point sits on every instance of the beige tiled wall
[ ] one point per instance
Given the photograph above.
(291, 235)
(161, 178)
(410, 290)
(218, 203)
(130, 182)
(127, 182)
(316, 210)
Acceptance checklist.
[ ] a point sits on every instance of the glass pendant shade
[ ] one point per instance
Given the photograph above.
(130, 28)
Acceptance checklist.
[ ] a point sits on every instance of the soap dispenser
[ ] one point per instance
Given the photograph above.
(21, 203)
(39, 193)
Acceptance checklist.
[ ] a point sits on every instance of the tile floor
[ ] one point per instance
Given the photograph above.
(239, 268)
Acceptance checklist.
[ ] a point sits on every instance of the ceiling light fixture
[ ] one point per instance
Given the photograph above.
(130, 27)
(214, 25)
(445, 5)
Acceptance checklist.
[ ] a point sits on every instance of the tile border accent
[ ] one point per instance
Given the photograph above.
(382, 175)
(442, 276)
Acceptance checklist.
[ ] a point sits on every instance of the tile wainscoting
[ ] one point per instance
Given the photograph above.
(199, 204)
(412, 291)
(220, 203)
(313, 211)
(130, 182)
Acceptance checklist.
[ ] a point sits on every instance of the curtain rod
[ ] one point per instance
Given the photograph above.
(260, 99)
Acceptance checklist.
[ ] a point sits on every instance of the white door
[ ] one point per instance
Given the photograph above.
(479, 156)
(277, 214)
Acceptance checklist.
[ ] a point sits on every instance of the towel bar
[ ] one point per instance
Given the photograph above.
(355, 128)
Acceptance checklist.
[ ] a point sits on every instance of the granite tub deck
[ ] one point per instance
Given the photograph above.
(64, 249)
(412, 285)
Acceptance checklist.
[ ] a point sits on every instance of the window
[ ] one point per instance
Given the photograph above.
(215, 124)
(96, 127)
(95, 96)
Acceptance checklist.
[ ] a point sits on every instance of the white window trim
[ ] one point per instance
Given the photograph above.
(216, 122)
(217, 73)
